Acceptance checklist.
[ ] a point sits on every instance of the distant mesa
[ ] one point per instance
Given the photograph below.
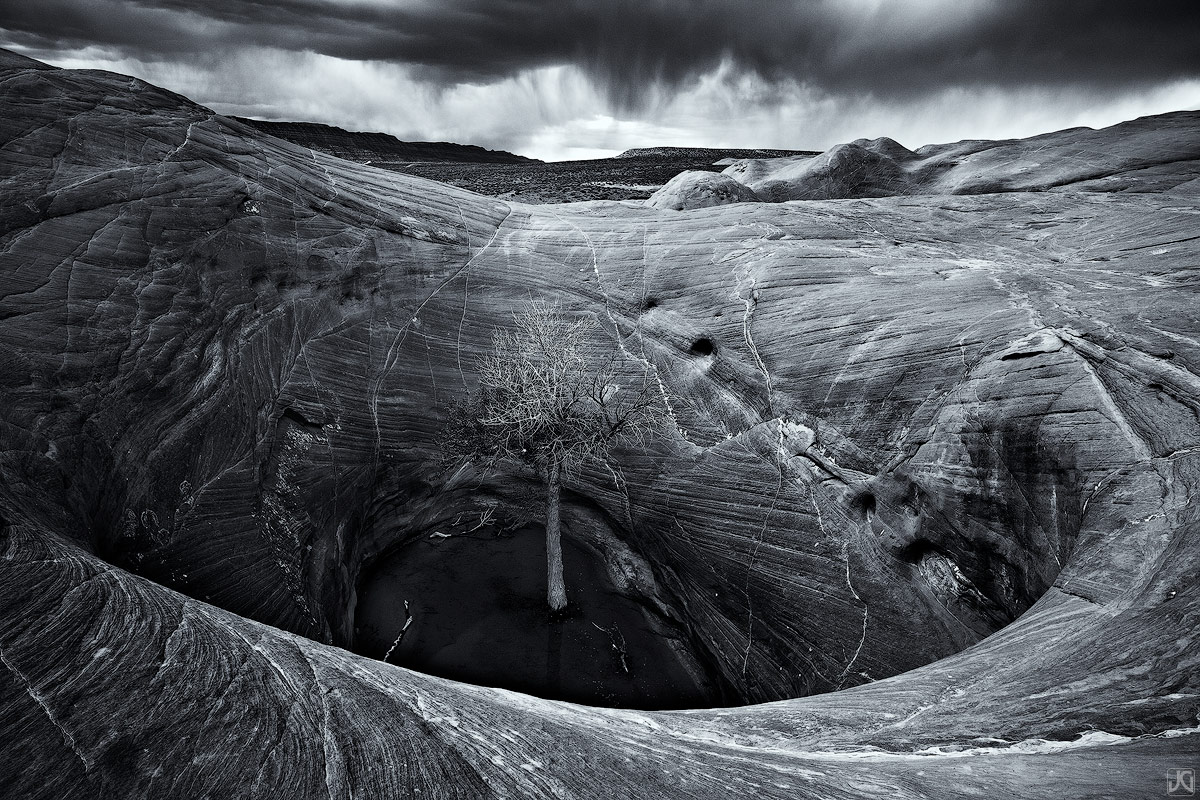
(714, 154)
(380, 147)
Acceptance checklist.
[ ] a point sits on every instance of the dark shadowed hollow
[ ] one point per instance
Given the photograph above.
(476, 597)
(478, 605)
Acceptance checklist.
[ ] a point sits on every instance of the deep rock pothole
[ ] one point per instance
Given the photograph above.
(470, 605)
(478, 612)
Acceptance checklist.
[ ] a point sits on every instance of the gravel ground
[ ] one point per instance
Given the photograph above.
(622, 178)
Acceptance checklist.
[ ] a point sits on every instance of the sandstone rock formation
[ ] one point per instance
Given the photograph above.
(698, 189)
(1145, 155)
(846, 171)
(937, 452)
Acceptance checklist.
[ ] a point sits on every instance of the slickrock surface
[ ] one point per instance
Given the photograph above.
(898, 425)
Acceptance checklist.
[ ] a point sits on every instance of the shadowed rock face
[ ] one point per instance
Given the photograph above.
(897, 426)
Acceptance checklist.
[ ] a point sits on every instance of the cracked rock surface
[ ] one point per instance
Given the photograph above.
(937, 451)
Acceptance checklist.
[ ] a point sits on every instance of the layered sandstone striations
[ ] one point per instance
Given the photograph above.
(897, 426)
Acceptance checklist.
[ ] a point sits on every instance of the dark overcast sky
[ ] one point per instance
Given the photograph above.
(576, 78)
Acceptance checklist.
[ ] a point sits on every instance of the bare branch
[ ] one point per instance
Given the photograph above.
(541, 400)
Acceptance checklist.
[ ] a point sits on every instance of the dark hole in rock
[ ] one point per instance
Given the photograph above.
(650, 302)
(703, 347)
(914, 551)
(479, 615)
(297, 418)
(863, 503)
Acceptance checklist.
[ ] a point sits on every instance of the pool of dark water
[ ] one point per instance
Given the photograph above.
(479, 614)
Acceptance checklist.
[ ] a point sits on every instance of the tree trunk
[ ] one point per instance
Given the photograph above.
(556, 592)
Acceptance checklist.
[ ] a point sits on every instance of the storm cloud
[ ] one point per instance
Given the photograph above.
(640, 56)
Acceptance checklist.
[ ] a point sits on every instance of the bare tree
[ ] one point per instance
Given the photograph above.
(542, 403)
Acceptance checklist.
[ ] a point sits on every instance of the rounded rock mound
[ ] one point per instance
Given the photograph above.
(700, 189)
(845, 171)
(887, 147)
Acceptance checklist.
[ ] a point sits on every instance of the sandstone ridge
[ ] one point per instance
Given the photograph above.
(379, 147)
(1143, 155)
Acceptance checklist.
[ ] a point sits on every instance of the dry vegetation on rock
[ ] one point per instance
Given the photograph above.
(541, 403)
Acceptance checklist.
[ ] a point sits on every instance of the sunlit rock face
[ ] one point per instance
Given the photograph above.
(897, 426)
(699, 189)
